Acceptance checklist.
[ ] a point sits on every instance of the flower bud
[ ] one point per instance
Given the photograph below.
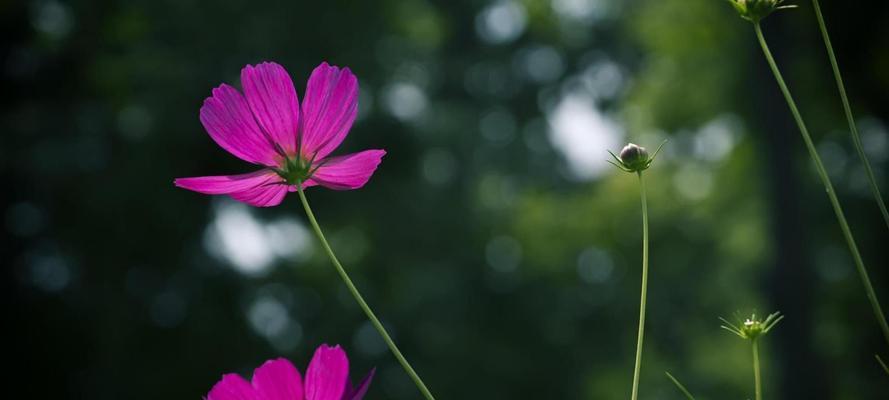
(634, 158)
(755, 10)
(752, 328)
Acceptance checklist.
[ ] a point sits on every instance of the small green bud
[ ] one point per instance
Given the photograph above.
(633, 158)
(755, 10)
(752, 328)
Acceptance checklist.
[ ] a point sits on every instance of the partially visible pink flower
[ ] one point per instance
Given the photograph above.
(267, 127)
(327, 378)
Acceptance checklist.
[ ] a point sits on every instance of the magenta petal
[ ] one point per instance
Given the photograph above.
(229, 121)
(327, 374)
(328, 110)
(266, 195)
(350, 171)
(226, 184)
(232, 387)
(358, 392)
(278, 380)
(273, 100)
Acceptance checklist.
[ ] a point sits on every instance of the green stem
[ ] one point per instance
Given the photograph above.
(882, 364)
(680, 386)
(757, 379)
(825, 179)
(638, 367)
(853, 129)
(352, 289)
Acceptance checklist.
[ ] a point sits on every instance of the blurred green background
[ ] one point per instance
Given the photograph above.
(494, 240)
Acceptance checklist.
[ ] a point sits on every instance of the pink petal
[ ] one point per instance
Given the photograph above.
(327, 374)
(273, 100)
(278, 380)
(268, 194)
(226, 184)
(357, 393)
(232, 387)
(350, 171)
(328, 110)
(227, 118)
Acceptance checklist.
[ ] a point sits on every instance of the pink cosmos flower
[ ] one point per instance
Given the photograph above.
(327, 378)
(266, 126)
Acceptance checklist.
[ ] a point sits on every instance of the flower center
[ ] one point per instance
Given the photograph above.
(295, 170)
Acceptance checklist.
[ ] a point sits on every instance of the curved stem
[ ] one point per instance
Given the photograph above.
(354, 291)
(757, 379)
(638, 367)
(825, 179)
(853, 129)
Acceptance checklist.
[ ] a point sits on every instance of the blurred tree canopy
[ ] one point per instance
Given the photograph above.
(494, 240)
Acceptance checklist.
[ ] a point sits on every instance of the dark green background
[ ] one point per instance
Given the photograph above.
(500, 273)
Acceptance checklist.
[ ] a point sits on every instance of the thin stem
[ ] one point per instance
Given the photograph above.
(853, 129)
(352, 289)
(882, 364)
(757, 379)
(637, 369)
(825, 179)
(680, 386)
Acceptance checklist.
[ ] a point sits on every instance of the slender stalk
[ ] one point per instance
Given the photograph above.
(757, 379)
(853, 129)
(680, 386)
(352, 289)
(882, 364)
(637, 369)
(825, 179)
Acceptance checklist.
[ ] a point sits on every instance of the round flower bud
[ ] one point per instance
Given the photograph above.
(634, 157)
(755, 10)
